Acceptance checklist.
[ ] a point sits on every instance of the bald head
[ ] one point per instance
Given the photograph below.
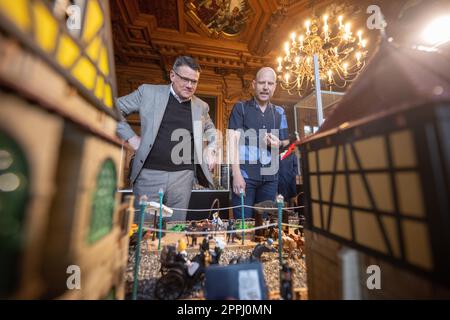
(264, 85)
(266, 70)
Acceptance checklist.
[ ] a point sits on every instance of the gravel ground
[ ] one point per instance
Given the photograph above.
(149, 272)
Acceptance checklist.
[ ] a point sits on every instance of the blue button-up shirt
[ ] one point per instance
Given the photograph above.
(247, 116)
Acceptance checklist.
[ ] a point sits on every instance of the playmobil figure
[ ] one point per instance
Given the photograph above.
(192, 228)
(217, 252)
(178, 273)
(204, 252)
(263, 211)
(289, 244)
(182, 256)
(205, 225)
(261, 248)
(271, 230)
(286, 282)
(146, 235)
(231, 227)
(298, 241)
(217, 222)
(181, 251)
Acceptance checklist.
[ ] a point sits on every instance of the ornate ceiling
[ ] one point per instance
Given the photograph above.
(157, 31)
(152, 33)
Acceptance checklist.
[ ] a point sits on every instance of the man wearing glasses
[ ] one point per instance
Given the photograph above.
(170, 153)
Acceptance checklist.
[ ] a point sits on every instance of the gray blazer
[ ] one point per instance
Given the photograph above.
(151, 102)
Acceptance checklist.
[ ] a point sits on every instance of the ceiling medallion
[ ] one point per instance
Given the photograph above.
(228, 17)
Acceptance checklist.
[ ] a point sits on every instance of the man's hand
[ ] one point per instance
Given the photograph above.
(134, 142)
(238, 184)
(211, 159)
(272, 140)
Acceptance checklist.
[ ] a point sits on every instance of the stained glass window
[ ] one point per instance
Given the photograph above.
(13, 196)
(103, 201)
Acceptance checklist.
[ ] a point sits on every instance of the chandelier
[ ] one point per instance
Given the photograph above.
(339, 55)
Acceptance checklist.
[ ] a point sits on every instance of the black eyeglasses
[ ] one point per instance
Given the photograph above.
(186, 80)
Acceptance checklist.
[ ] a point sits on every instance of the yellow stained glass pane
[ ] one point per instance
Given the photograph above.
(340, 190)
(417, 244)
(94, 48)
(358, 192)
(85, 72)
(380, 187)
(17, 11)
(325, 186)
(46, 27)
(99, 88)
(372, 153)
(340, 222)
(368, 232)
(390, 226)
(410, 195)
(94, 20)
(326, 159)
(68, 51)
(314, 187)
(403, 149)
(317, 221)
(312, 161)
(108, 96)
(103, 62)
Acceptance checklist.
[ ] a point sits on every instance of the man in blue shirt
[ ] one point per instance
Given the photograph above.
(257, 130)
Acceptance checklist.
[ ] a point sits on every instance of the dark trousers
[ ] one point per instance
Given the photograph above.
(255, 192)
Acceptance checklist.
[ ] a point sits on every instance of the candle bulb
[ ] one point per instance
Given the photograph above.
(286, 48)
(286, 77)
(360, 36)
(345, 68)
(293, 35)
(340, 22)
(347, 32)
(347, 28)
(307, 24)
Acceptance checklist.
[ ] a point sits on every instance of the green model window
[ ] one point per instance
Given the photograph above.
(13, 198)
(103, 202)
(111, 294)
